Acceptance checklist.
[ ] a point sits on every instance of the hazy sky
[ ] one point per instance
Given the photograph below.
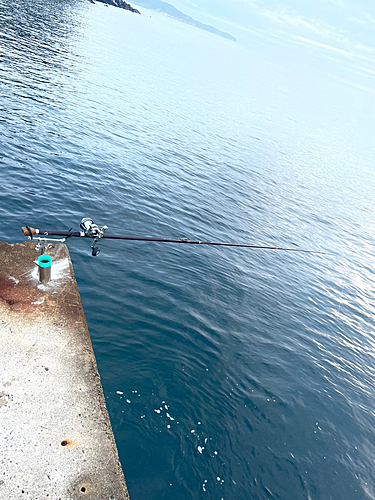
(341, 25)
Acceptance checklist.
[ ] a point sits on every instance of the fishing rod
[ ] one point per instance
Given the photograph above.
(91, 230)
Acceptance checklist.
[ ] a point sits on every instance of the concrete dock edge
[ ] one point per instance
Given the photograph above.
(56, 440)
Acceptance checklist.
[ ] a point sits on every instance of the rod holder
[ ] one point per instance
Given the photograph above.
(44, 264)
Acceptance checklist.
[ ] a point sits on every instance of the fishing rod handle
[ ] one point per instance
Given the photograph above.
(67, 234)
(26, 231)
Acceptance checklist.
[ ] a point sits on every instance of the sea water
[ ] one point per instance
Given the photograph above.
(228, 373)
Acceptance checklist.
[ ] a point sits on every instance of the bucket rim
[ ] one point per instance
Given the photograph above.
(47, 260)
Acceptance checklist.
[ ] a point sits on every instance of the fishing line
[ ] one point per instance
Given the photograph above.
(342, 288)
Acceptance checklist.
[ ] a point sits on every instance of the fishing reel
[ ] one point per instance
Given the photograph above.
(92, 230)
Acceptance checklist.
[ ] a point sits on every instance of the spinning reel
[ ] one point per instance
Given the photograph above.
(92, 230)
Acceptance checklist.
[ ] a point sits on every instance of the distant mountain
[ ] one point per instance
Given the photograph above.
(118, 3)
(170, 10)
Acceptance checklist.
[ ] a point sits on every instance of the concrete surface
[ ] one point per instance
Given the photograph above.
(56, 440)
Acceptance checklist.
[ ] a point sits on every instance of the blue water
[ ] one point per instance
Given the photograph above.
(228, 374)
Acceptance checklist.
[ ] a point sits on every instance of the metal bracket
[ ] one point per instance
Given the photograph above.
(42, 245)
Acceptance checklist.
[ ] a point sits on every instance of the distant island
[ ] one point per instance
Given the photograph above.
(169, 10)
(118, 3)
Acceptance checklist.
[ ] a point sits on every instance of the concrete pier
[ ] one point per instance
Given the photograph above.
(56, 440)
